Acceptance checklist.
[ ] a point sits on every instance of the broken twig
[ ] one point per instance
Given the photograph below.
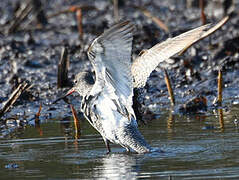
(21, 16)
(13, 97)
(33, 8)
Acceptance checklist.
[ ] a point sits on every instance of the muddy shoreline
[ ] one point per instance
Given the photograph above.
(33, 51)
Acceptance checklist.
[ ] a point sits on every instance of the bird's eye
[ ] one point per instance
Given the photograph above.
(75, 81)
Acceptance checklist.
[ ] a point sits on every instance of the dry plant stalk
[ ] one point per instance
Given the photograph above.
(169, 87)
(29, 10)
(207, 33)
(79, 22)
(203, 16)
(76, 122)
(155, 19)
(219, 87)
(39, 110)
(13, 97)
(62, 75)
(21, 16)
(71, 9)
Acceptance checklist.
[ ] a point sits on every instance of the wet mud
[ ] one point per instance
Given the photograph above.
(30, 51)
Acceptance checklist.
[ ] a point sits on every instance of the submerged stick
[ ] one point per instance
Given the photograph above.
(13, 97)
(37, 115)
(170, 121)
(219, 88)
(62, 75)
(221, 120)
(37, 121)
(169, 87)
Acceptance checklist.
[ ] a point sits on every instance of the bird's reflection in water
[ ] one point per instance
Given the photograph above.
(118, 166)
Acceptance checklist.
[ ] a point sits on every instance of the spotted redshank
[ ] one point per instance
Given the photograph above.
(107, 100)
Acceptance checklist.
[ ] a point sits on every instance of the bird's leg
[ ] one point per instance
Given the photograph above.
(127, 150)
(107, 144)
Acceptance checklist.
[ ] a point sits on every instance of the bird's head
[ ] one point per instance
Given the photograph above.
(83, 83)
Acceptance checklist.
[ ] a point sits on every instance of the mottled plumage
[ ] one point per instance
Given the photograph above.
(107, 103)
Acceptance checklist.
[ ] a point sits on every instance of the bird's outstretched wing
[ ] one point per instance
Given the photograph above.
(110, 55)
(149, 59)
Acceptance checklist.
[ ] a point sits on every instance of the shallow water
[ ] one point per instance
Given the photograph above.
(196, 147)
(203, 146)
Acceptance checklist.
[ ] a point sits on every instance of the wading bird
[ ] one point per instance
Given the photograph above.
(107, 100)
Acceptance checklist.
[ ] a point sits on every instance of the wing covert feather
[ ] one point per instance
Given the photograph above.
(147, 61)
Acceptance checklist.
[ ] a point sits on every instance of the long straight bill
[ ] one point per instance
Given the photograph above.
(64, 96)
